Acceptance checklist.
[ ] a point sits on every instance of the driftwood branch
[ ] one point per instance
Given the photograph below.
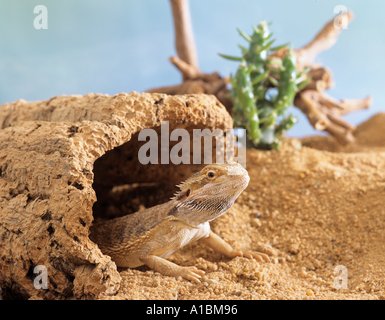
(195, 81)
(184, 37)
(172, 90)
(188, 71)
(321, 79)
(323, 41)
(324, 112)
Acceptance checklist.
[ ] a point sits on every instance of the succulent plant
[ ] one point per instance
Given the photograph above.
(255, 107)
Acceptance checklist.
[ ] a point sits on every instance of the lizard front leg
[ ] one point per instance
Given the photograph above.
(168, 268)
(221, 246)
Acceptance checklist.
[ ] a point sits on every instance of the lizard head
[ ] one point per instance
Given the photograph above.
(212, 191)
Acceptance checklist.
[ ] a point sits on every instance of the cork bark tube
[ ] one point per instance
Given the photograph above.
(57, 157)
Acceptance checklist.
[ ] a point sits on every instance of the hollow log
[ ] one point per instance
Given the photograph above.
(57, 158)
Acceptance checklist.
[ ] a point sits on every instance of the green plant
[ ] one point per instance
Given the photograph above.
(255, 107)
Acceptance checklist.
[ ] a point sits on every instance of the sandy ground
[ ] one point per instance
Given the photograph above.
(310, 210)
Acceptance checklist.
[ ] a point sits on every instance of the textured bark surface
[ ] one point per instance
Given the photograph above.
(57, 157)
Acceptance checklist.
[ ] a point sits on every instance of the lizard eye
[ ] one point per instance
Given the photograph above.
(211, 174)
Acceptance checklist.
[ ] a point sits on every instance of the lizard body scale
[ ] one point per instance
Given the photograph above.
(149, 236)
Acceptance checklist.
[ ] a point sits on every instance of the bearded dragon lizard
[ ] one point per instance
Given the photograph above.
(149, 236)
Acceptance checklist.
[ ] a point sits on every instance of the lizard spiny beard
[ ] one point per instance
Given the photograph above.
(212, 202)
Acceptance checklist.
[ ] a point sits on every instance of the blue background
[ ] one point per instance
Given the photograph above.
(122, 46)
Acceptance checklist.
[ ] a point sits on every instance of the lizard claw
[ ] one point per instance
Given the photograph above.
(256, 255)
(234, 254)
(191, 273)
(260, 257)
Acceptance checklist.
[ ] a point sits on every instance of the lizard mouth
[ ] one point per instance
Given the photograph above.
(238, 182)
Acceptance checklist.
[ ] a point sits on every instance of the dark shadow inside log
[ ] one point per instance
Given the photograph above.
(124, 185)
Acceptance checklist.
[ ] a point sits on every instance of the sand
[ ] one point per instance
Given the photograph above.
(310, 210)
